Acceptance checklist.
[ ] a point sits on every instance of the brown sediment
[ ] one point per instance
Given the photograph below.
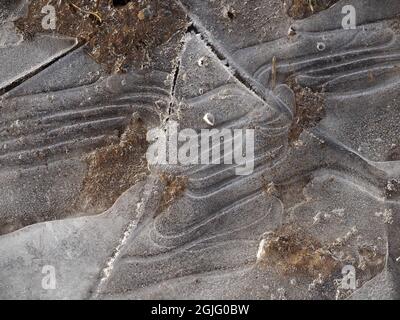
(115, 168)
(370, 262)
(289, 193)
(301, 9)
(310, 109)
(291, 251)
(117, 36)
(175, 187)
(393, 154)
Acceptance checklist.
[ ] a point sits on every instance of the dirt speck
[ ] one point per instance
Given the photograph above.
(115, 168)
(228, 13)
(118, 33)
(291, 251)
(270, 189)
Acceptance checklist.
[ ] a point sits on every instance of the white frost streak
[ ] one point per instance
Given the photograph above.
(110, 263)
(260, 251)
